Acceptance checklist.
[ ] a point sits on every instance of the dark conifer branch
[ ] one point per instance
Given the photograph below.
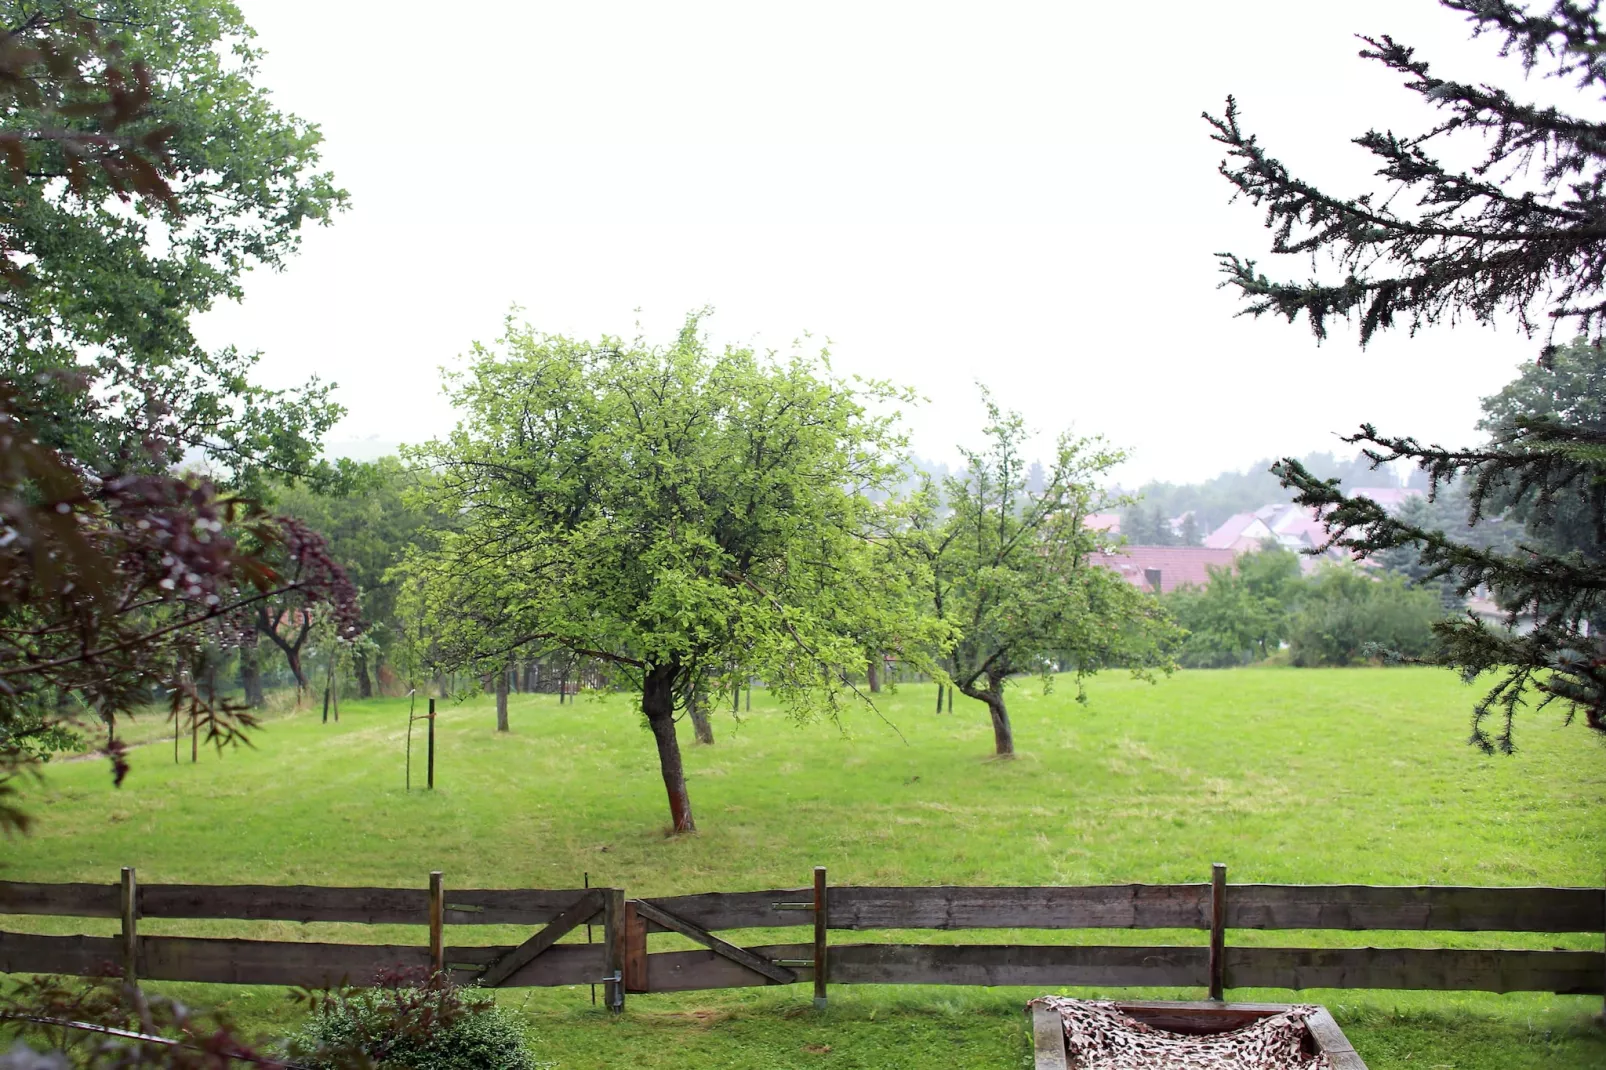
(1522, 232)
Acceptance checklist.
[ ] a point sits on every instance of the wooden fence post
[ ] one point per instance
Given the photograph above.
(129, 909)
(819, 937)
(437, 922)
(1218, 930)
(613, 936)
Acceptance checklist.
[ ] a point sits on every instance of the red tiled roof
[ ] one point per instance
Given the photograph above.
(1230, 530)
(1178, 565)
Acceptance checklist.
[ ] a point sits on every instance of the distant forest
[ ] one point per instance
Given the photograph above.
(1214, 500)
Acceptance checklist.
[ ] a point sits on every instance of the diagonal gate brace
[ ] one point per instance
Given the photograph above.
(740, 955)
(577, 914)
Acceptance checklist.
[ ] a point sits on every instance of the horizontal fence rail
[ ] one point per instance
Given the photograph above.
(622, 962)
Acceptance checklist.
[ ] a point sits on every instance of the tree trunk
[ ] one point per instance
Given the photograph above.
(658, 704)
(251, 675)
(872, 672)
(269, 626)
(699, 720)
(993, 697)
(1003, 734)
(501, 699)
(440, 683)
(365, 686)
(292, 657)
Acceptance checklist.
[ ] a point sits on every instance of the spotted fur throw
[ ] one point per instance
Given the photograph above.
(1098, 1036)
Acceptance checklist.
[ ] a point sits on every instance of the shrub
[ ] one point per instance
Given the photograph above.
(1347, 614)
(1242, 614)
(413, 1023)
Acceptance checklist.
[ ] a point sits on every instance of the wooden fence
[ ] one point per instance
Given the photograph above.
(622, 963)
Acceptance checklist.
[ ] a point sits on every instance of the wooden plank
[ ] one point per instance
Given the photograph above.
(272, 962)
(70, 900)
(82, 956)
(584, 907)
(277, 962)
(1008, 964)
(1218, 929)
(1198, 1017)
(563, 964)
(373, 906)
(510, 906)
(1438, 969)
(1253, 906)
(1447, 909)
(1124, 906)
(736, 910)
(1048, 1039)
(688, 971)
(1330, 1041)
(950, 964)
(635, 949)
(741, 956)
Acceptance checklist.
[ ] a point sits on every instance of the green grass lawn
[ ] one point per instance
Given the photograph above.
(1309, 776)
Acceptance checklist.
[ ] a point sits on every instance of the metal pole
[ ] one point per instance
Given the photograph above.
(431, 744)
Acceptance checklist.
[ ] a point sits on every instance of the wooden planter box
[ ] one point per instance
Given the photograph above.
(1048, 1032)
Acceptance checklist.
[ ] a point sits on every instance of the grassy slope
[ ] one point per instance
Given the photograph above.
(1286, 775)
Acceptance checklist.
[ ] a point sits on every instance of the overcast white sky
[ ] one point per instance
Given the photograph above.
(1021, 193)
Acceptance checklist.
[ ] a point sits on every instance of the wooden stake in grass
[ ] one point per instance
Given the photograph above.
(412, 705)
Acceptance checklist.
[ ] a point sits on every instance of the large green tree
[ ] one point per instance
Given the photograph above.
(201, 179)
(1516, 234)
(143, 172)
(1011, 573)
(672, 511)
(368, 522)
